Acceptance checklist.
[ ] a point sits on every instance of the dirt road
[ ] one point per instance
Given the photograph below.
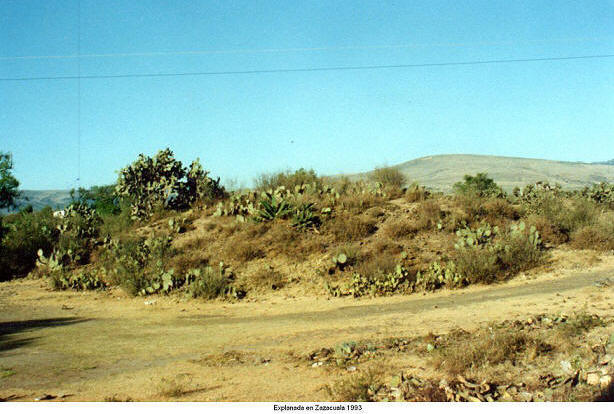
(97, 346)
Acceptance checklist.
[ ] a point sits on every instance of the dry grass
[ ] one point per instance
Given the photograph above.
(486, 348)
(347, 228)
(244, 251)
(360, 386)
(598, 236)
(389, 177)
(377, 265)
(266, 278)
(416, 193)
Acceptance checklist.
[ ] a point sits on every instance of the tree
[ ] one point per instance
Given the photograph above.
(8, 183)
(481, 185)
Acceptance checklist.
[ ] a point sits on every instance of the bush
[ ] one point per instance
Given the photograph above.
(481, 185)
(477, 265)
(597, 236)
(207, 282)
(389, 176)
(24, 235)
(484, 260)
(137, 264)
(287, 179)
(566, 215)
(416, 192)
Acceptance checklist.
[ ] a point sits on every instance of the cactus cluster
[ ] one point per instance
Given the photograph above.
(468, 237)
(532, 235)
(362, 285)
(83, 280)
(438, 276)
(280, 203)
(602, 193)
(162, 182)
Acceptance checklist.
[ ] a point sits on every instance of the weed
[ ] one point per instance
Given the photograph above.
(360, 386)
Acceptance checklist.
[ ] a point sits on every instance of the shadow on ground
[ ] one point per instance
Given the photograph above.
(8, 329)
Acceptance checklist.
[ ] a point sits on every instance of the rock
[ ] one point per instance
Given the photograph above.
(429, 348)
(566, 365)
(526, 396)
(45, 397)
(317, 364)
(149, 302)
(592, 378)
(605, 381)
(352, 368)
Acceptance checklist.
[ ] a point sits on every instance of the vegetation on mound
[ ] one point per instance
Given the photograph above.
(165, 228)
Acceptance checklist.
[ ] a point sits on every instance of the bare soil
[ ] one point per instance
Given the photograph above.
(97, 346)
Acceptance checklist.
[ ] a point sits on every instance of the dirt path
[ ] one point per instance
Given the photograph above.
(93, 346)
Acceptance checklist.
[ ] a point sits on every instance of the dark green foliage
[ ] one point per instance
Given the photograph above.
(481, 186)
(103, 199)
(304, 217)
(162, 182)
(24, 235)
(8, 183)
(287, 179)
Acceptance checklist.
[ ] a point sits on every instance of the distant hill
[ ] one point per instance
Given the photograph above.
(611, 162)
(56, 199)
(440, 172)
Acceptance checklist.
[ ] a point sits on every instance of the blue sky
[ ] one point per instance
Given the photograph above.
(338, 121)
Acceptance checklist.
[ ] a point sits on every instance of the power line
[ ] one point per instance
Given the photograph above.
(296, 49)
(314, 69)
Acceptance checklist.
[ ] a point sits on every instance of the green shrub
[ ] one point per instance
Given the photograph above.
(481, 186)
(24, 235)
(103, 199)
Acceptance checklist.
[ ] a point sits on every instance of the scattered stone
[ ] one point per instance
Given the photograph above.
(592, 378)
(149, 302)
(351, 369)
(317, 364)
(429, 348)
(566, 365)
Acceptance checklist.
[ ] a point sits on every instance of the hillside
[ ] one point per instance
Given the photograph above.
(41, 198)
(439, 172)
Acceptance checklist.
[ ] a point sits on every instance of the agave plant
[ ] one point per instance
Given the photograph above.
(272, 207)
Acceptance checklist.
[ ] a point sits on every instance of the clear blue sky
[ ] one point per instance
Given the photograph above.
(339, 121)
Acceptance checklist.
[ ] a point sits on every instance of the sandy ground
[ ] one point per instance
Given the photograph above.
(94, 346)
